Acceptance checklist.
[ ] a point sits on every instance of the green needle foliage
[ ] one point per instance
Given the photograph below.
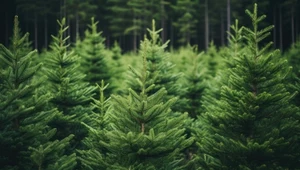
(70, 94)
(92, 157)
(23, 118)
(161, 70)
(195, 79)
(253, 125)
(143, 133)
(293, 55)
(94, 61)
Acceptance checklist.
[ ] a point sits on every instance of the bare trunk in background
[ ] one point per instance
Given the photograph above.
(293, 25)
(206, 26)
(6, 29)
(35, 31)
(46, 31)
(228, 19)
(280, 29)
(274, 29)
(163, 22)
(222, 30)
(77, 26)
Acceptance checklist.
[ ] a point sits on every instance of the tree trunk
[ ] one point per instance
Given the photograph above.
(172, 33)
(206, 26)
(297, 28)
(222, 30)
(27, 23)
(6, 29)
(35, 31)
(293, 26)
(77, 26)
(69, 30)
(280, 28)
(46, 31)
(134, 36)
(163, 22)
(274, 29)
(228, 19)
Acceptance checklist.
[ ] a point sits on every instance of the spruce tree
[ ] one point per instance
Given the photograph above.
(117, 68)
(227, 56)
(161, 70)
(292, 55)
(94, 59)
(195, 79)
(92, 156)
(253, 125)
(143, 133)
(70, 94)
(24, 119)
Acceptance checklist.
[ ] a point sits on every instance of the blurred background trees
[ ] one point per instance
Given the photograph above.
(195, 22)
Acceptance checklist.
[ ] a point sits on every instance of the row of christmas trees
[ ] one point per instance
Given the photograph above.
(80, 107)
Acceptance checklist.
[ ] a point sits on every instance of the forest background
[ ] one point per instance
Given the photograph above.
(149, 85)
(198, 22)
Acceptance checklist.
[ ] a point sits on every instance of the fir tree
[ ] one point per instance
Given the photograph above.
(292, 55)
(70, 94)
(94, 57)
(143, 133)
(161, 70)
(195, 79)
(24, 119)
(227, 56)
(253, 125)
(117, 68)
(91, 158)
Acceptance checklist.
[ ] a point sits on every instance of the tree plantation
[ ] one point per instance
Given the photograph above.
(86, 106)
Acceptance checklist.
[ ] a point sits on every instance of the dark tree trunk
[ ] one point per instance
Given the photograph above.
(77, 27)
(6, 29)
(206, 26)
(222, 30)
(172, 33)
(163, 22)
(228, 19)
(35, 31)
(274, 29)
(46, 31)
(69, 30)
(280, 29)
(293, 26)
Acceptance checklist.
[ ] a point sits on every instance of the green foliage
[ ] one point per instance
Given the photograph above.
(94, 57)
(143, 133)
(92, 157)
(50, 155)
(292, 55)
(196, 83)
(218, 62)
(23, 119)
(70, 94)
(161, 70)
(253, 125)
(186, 22)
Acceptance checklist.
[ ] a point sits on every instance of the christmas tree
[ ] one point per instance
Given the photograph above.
(94, 57)
(253, 125)
(70, 94)
(161, 70)
(24, 119)
(143, 132)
